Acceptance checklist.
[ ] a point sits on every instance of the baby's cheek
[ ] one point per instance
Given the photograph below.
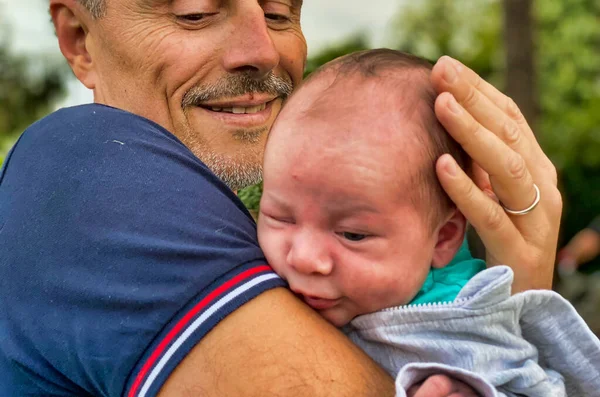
(270, 245)
(390, 291)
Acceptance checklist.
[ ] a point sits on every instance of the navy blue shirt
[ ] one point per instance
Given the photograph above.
(119, 251)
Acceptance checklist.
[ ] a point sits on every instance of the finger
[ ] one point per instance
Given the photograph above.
(495, 111)
(443, 386)
(480, 177)
(451, 75)
(435, 386)
(468, 92)
(493, 226)
(508, 171)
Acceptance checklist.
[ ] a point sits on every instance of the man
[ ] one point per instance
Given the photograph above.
(128, 268)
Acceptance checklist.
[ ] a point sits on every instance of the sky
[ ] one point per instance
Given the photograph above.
(323, 22)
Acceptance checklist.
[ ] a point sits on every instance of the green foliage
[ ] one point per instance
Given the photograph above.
(28, 88)
(250, 196)
(25, 95)
(353, 43)
(569, 68)
(465, 29)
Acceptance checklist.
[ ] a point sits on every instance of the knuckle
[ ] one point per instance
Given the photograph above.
(470, 98)
(474, 129)
(495, 218)
(555, 201)
(513, 110)
(516, 167)
(477, 82)
(469, 190)
(512, 133)
(472, 132)
(552, 173)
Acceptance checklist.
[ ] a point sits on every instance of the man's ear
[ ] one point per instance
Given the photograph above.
(449, 239)
(70, 25)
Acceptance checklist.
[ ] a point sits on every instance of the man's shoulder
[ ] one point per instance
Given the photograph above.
(95, 143)
(130, 243)
(91, 124)
(94, 161)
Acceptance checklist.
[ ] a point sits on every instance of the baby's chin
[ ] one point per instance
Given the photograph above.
(337, 316)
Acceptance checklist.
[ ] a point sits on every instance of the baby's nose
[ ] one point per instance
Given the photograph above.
(309, 256)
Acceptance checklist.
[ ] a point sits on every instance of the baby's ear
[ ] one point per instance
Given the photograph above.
(450, 237)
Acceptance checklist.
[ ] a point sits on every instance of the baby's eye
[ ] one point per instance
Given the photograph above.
(354, 236)
(281, 219)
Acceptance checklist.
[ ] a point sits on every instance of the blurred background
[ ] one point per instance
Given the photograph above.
(545, 54)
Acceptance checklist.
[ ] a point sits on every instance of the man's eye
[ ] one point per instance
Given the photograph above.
(195, 17)
(276, 17)
(354, 236)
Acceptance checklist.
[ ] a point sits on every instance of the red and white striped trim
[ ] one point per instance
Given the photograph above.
(185, 327)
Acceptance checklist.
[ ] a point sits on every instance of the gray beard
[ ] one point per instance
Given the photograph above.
(235, 174)
(243, 169)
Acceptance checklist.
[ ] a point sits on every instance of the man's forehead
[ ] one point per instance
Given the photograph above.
(294, 3)
(153, 3)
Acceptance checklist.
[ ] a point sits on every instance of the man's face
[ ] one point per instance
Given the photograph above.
(336, 219)
(213, 72)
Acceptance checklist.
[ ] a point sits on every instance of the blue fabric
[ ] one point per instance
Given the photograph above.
(111, 232)
(443, 285)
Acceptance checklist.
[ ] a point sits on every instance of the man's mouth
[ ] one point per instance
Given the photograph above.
(238, 110)
(249, 112)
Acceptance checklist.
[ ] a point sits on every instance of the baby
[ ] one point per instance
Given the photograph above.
(354, 218)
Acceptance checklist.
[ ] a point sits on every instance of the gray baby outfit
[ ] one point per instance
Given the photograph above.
(530, 344)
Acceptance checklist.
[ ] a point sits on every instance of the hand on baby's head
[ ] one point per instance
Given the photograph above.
(350, 214)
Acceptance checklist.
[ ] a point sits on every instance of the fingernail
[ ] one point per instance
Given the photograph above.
(454, 106)
(450, 74)
(450, 167)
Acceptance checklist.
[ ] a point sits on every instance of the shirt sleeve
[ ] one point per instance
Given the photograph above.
(120, 250)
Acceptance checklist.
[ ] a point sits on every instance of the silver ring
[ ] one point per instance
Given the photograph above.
(528, 209)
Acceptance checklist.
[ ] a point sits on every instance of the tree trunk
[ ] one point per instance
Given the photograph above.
(520, 69)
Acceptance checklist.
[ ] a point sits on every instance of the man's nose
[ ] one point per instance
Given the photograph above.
(309, 255)
(250, 48)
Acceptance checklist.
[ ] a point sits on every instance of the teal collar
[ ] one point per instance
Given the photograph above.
(443, 285)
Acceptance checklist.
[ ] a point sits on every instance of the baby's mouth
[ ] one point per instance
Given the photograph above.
(319, 303)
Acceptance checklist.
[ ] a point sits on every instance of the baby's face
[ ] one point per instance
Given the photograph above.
(336, 220)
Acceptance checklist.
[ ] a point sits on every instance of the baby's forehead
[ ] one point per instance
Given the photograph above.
(340, 108)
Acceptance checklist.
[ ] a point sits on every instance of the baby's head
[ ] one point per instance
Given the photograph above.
(352, 213)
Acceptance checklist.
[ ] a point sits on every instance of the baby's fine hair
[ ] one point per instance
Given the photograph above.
(434, 138)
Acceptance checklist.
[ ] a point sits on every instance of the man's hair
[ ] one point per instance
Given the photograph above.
(413, 72)
(96, 8)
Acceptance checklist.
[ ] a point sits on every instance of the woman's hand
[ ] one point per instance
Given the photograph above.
(441, 386)
(509, 161)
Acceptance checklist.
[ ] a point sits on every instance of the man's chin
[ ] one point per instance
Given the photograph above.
(235, 174)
